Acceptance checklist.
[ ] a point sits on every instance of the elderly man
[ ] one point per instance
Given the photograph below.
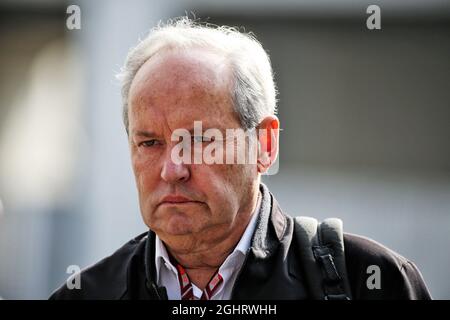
(215, 231)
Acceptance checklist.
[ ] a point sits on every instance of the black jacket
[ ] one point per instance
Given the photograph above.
(271, 270)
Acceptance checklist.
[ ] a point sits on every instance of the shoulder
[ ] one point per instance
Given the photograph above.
(108, 278)
(377, 272)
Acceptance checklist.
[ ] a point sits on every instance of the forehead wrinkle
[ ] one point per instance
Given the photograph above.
(170, 82)
(181, 90)
(175, 67)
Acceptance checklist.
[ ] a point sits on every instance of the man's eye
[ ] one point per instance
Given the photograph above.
(202, 139)
(148, 143)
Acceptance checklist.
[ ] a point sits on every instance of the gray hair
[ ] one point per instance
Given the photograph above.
(254, 91)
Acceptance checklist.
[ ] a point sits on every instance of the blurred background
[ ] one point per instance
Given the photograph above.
(365, 117)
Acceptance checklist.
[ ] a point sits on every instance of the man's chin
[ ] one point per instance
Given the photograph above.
(179, 231)
(179, 225)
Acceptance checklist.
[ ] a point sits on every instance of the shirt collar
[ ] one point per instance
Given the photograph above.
(161, 256)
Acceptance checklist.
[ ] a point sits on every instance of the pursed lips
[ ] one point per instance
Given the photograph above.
(177, 200)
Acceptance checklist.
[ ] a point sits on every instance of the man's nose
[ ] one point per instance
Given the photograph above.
(173, 172)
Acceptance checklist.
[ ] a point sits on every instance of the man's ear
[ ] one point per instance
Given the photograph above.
(268, 135)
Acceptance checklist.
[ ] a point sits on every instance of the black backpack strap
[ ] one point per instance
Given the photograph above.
(321, 250)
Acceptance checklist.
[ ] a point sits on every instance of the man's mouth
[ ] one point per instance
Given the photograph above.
(177, 200)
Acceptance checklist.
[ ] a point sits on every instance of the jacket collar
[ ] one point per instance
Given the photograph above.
(271, 224)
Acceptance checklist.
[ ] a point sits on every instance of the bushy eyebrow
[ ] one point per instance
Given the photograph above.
(191, 131)
(143, 133)
(151, 134)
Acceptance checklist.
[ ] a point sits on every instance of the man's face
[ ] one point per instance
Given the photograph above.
(171, 91)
